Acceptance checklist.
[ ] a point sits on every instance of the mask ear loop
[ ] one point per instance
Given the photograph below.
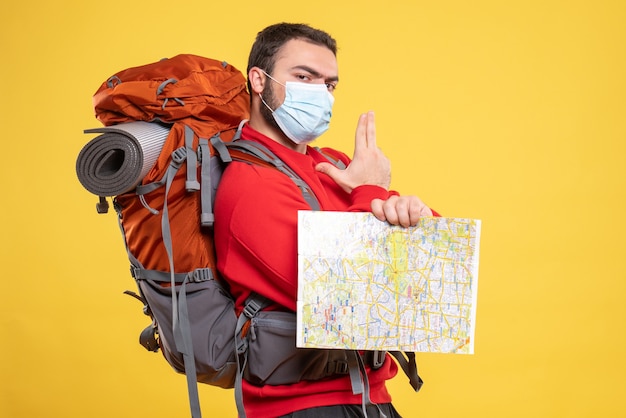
(266, 105)
(275, 81)
(272, 78)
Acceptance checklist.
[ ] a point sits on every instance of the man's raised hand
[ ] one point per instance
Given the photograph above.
(368, 166)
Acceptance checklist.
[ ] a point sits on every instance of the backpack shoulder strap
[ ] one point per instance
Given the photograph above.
(335, 161)
(254, 153)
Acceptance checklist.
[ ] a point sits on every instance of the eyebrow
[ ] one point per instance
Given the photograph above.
(315, 73)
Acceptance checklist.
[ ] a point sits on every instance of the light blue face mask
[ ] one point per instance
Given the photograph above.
(305, 114)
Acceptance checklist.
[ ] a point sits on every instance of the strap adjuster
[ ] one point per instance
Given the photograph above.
(200, 275)
(179, 155)
(337, 367)
(135, 272)
(252, 308)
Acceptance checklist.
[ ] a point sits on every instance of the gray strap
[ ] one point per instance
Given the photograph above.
(256, 149)
(179, 155)
(220, 148)
(184, 336)
(196, 276)
(192, 183)
(180, 317)
(165, 83)
(337, 163)
(365, 397)
(254, 304)
(360, 382)
(264, 154)
(242, 360)
(162, 87)
(239, 130)
(355, 374)
(113, 81)
(206, 193)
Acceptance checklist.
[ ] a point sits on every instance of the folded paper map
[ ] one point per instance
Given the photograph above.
(364, 284)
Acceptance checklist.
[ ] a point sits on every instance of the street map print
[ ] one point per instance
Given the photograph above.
(364, 284)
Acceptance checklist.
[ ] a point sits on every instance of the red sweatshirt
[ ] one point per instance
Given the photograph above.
(256, 244)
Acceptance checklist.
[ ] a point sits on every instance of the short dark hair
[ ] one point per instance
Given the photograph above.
(271, 39)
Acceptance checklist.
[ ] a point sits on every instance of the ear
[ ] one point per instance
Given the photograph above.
(257, 80)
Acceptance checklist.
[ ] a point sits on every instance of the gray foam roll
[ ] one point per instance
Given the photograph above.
(117, 160)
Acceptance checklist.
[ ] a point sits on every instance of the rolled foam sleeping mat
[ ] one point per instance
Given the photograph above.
(117, 160)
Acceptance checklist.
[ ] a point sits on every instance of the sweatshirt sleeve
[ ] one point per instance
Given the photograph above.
(362, 196)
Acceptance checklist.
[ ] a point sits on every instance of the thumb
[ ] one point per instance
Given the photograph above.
(336, 174)
(328, 169)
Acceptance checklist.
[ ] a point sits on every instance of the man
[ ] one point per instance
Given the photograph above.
(292, 73)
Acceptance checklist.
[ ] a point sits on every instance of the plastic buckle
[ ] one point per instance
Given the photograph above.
(135, 272)
(251, 308)
(378, 359)
(201, 275)
(242, 345)
(341, 367)
(337, 367)
(148, 339)
(179, 156)
(203, 144)
(102, 206)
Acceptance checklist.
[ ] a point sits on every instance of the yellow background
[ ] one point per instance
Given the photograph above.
(510, 112)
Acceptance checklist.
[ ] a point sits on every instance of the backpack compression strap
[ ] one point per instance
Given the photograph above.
(180, 313)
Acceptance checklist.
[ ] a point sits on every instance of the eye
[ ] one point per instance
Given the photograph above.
(331, 87)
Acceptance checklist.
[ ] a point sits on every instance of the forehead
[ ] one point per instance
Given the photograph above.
(298, 52)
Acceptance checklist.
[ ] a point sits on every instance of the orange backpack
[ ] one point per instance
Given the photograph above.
(151, 157)
(191, 92)
(170, 127)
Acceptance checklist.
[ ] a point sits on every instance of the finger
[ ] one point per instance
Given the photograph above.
(402, 209)
(417, 210)
(325, 168)
(330, 170)
(371, 130)
(391, 213)
(377, 209)
(360, 137)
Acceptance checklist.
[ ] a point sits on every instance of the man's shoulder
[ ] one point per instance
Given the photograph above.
(331, 154)
(249, 178)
